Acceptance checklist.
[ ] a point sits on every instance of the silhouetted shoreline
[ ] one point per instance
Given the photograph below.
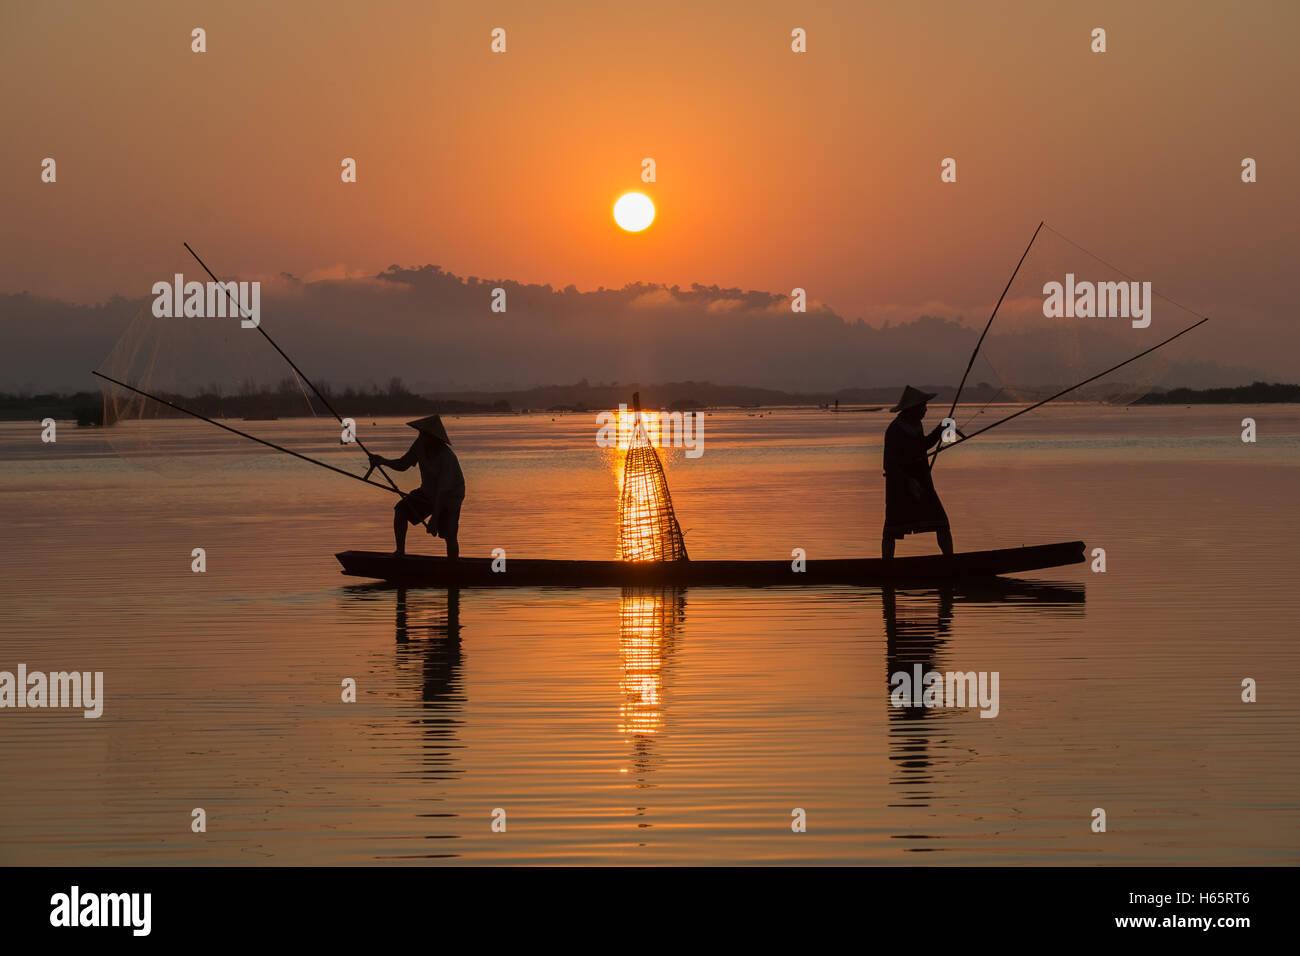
(286, 401)
(1241, 394)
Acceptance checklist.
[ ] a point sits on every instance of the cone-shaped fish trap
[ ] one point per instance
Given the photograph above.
(647, 526)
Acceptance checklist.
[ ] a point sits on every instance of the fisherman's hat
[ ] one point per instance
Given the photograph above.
(431, 426)
(911, 398)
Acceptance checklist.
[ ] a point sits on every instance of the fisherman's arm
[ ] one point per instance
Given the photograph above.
(397, 464)
(937, 434)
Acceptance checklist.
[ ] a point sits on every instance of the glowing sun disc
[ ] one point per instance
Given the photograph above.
(634, 211)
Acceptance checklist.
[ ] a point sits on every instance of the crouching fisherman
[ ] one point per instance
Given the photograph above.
(442, 485)
(912, 505)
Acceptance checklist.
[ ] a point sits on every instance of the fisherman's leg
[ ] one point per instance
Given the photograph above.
(945, 540)
(448, 528)
(887, 547)
(399, 530)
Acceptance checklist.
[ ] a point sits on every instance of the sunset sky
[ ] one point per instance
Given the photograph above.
(775, 169)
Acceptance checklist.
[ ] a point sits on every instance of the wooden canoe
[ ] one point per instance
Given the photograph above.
(423, 571)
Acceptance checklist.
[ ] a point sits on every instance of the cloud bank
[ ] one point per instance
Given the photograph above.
(437, 332)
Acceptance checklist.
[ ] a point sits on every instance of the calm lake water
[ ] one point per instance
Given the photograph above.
(656, 727)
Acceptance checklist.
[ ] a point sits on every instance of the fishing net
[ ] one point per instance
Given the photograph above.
(1068, 315)
(211, 365)
(647, 526)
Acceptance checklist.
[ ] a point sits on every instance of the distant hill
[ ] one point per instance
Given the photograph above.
(87, 408)
(1254, 393)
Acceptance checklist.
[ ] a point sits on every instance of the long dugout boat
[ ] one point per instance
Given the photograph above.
(426, 571)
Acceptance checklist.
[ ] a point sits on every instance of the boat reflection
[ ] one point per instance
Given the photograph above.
(925, 747)
(426, 624)
(437, 625)
(914, 637)
(648, 619)
(918, 629)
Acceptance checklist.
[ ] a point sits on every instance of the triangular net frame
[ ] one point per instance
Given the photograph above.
(647, 525)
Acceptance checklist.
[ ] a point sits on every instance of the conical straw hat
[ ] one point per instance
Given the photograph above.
(431, 426)
(911, 398)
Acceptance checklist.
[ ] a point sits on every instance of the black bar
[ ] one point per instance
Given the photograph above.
(900, 909)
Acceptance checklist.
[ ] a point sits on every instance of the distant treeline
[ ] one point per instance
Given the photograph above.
(286, 401)
(585, 396)
(85, 407)
(1241, 394)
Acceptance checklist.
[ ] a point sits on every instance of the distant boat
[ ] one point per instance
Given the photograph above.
(426, 571)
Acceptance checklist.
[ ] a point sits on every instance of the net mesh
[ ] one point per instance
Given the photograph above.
(210, 365)
(1030, 355)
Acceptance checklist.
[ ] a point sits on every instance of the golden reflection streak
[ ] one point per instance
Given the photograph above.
(647, 619)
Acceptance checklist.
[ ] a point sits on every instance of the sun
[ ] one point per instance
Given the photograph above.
(634, 211)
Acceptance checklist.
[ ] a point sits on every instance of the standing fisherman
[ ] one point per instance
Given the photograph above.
(442, 485)
(912, 505)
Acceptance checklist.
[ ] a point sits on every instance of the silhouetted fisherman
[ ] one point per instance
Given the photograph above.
(442, 485)
(912, 505)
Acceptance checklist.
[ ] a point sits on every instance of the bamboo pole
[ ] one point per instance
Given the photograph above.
(987, 325)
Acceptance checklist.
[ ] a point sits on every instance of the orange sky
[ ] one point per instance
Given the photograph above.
(776, 170)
